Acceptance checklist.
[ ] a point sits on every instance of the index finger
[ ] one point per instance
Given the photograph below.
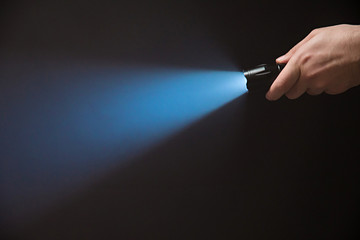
(283, 83)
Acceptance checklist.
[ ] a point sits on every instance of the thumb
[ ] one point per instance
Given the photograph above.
(283, 59)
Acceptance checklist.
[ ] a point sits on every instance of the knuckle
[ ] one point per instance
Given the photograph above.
(314, 31)
(311, 77)
(291, 95)
(316, 84)
(304, 58)
(334, 91)
(319, 85)
(314, 91)
(308, 77)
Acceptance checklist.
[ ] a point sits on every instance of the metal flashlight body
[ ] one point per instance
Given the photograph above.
(261, 77)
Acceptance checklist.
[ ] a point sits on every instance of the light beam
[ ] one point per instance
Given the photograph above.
(62, 125)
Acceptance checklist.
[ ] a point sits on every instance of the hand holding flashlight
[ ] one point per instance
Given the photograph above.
(327, 60)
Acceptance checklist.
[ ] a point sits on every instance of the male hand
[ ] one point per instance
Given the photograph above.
(327, 60)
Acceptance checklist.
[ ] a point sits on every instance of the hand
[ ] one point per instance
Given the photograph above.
(327, 60)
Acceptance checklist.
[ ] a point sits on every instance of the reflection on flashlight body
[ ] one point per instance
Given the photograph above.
(262, 76)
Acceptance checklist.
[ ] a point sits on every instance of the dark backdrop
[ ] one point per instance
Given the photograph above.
(252, 169)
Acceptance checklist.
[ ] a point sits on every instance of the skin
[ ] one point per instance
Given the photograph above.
(327, 60)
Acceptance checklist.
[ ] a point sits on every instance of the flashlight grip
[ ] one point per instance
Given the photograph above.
(262, 76)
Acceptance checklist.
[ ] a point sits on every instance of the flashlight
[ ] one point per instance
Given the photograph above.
(261, 77)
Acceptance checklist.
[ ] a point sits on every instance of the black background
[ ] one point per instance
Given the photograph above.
(274, 170)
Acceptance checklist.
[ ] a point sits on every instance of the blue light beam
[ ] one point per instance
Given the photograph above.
(61, 125)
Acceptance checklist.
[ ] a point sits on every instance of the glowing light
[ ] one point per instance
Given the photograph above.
(63, 125)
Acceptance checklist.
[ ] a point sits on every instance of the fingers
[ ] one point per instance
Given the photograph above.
(297, 90)
(285, 81)
(288, 80)
(314, 92)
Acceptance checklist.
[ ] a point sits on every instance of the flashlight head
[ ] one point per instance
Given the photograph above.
(261, 77)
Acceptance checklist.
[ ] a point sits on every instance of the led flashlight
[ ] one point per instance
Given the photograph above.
(261, 77)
